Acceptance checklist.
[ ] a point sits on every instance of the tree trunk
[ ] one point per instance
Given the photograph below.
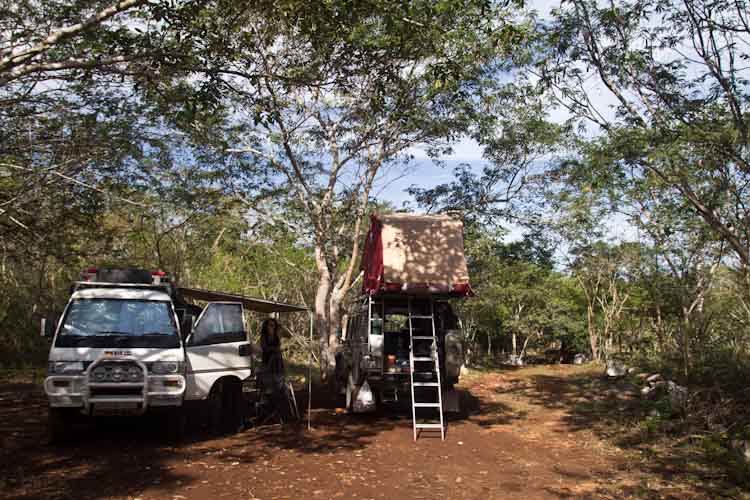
(593, 337)
(659, 329)
(322, 319)
(686, 327)
(334, 323)
(525, 345)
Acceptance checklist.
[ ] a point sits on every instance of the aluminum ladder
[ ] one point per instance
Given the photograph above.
(433, 360)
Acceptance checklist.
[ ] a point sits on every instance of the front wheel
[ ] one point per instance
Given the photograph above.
(226, 413)
(215, 408)
(59, 422)
(175, 424)
(233, 417)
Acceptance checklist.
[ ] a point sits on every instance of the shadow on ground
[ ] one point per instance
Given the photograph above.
(123, 456)
(663, 447)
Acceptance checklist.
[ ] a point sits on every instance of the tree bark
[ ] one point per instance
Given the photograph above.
(322, 323)
(593, 337)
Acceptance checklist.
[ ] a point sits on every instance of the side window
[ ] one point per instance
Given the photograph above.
(220, 323)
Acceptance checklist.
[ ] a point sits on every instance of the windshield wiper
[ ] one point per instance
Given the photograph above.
(113, 332)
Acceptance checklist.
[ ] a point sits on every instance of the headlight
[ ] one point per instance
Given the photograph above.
(65, 367)
(99, 374)
(165, 367)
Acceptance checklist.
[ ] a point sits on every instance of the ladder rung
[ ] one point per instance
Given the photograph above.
(422, 358)
(416, 316)
(425, 384)
(422, 337)
(428, 426)
(427, 405)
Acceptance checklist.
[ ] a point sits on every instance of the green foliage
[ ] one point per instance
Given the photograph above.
(519, 293)
(679, 135)
(132, 139)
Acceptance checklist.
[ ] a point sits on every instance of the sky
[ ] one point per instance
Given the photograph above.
(424, 173)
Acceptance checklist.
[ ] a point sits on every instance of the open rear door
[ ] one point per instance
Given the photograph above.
(217, 347)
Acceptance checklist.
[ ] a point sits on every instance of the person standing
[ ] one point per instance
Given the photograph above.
(270, 344)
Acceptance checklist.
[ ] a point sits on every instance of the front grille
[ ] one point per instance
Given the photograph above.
(116, 372)
(116, 391)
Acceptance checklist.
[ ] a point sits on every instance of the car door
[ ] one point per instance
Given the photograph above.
(216, 347)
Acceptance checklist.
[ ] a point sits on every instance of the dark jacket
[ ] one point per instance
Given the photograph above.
(272, 360)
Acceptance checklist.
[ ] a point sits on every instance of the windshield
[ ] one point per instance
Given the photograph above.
(118, 323)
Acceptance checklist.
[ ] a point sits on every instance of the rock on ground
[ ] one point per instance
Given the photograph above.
(742, 447)
(678, 395)
(616, 368)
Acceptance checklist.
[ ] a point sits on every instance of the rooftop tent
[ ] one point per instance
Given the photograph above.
(415, 254)
(250, 303)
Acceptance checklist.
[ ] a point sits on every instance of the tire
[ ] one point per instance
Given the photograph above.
(175, 424)
(215, 408)
(226, 413)
(59, 422)
(233, 415)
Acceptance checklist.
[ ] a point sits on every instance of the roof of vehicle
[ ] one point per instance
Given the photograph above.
(121, 293)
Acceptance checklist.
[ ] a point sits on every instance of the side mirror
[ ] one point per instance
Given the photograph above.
(47, 328)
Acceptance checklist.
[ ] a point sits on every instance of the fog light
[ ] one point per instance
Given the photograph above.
(171, 383)
(61, 383)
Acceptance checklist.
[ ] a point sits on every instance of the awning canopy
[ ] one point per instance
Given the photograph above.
(251, 303)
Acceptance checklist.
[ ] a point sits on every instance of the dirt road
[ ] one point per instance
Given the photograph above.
(529, 433)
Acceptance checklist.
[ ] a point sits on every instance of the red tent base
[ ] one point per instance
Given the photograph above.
(457, 290)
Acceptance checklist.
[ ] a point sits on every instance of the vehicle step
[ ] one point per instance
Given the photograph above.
(422, 337)
(427, 405)
(422, 358)
(426, 384)
(416, 316)
(428, 426)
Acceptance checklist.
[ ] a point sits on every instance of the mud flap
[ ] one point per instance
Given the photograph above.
(451, 401)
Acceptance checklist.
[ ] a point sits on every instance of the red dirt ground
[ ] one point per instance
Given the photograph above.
(520, 436)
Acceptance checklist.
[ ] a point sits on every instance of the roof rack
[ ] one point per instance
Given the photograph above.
(81, 285)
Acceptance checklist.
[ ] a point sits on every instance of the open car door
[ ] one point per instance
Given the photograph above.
(217, 347)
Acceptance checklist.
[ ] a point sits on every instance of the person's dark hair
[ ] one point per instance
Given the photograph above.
(264, 327)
